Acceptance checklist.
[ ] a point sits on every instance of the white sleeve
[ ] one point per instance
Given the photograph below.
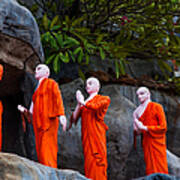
(31, 107)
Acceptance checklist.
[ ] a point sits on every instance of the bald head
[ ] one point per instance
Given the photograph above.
(143, 94)
(92, 85)
(42, 71)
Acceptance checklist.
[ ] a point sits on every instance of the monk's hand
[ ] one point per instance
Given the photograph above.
(144, 128)
(21, 108)
(136, 127)
(140, 125)
(80, 97)
(63, 122)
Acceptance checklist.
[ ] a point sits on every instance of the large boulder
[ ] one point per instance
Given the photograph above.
(20, 51)
(157, 176)
(14, 167)
(171, 104)
(119, 135)
(20, 46)
(124, 162)
(173, 164)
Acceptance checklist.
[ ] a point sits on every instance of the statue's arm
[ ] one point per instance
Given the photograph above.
(76, 114)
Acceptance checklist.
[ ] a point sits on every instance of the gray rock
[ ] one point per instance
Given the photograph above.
(173, 164)
(138, 68)
(171, 106)
(18, 22)
(119, 135)
(158, 176)
(14, 167)
(124, 162)
(20, 46)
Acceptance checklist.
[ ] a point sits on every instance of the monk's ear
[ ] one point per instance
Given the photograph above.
(47, 73)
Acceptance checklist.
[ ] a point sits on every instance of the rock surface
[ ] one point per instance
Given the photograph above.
(173, 164)
(123, 161)
(171, 106)
(20, 51)
(14, 167)
(157, 176)
(20, 46)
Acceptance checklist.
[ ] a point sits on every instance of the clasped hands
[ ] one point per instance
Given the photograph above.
(138, 126)
(80, 97)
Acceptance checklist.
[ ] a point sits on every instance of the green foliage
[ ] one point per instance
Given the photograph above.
(66, 41)
(112, 29)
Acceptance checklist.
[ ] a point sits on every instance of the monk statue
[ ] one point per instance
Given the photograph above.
(149, 119)
(1, 110)
(93, 129)
(46, 107)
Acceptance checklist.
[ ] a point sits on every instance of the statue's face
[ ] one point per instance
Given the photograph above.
(41, 71)
(143, 94)
(92, 85)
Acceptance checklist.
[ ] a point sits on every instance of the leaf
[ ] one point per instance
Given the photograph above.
(77, 50)
(46, 36)
(67, 20)
(102, 54)
(122, 68)
(164, 65)
(87, 58)
(77, 21)
(81, 74)
(99, 39)
(64, 58)
(90, 46)
(72, 40)
(80, 57)
(48, 61)
(45, 22)
(72, 56)
(60, 40)
(117, 69)
(54, 21)
(78, 35)
(56, 66)
(54, 43)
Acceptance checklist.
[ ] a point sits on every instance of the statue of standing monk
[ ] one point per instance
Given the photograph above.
(93, 129)
(46, 107)
(149, 119)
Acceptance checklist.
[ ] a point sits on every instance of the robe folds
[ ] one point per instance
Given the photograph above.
(48, 105)
(154, 140)
(93, 131)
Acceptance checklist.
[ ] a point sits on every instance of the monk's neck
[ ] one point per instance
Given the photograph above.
(142, 107)
(40, 80)
(144, 104)
(91, 96)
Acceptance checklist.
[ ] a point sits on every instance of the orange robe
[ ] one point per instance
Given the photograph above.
(48, 105)
(1, 110)
(154, 140)
(93, 131)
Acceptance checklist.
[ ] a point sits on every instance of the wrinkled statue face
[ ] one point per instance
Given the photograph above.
(42, 71)
(92, 85)
(143, 94)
